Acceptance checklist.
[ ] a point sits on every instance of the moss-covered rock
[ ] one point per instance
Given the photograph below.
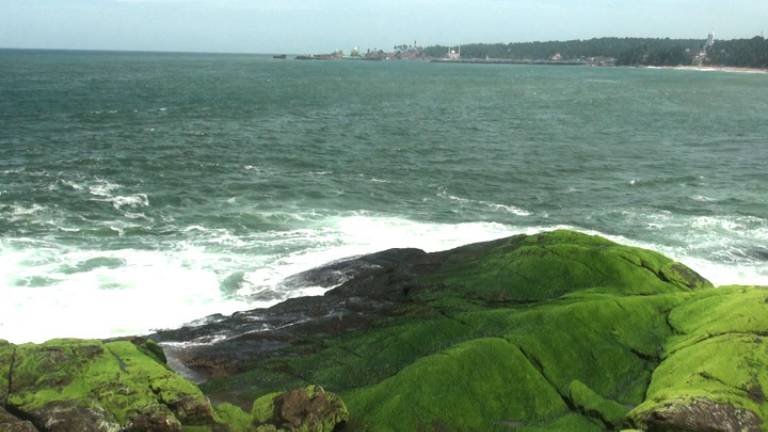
(309, 409)
(73, 385)
(547, 266)
(714, 370)
(611, 413)
(7, 352)
(559, 331)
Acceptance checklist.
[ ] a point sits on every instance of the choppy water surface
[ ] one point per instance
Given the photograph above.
(141, 191)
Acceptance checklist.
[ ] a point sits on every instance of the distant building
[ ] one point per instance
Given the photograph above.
(710, 40)
(454, 54)
(556, 57)
(408, 52)
(701, 56)
(375, 55)
(355, 52)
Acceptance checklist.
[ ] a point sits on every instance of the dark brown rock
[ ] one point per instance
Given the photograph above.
(156, 420)
(73, 417)
(373, 287)
(702, 416)
(306, 409)
(10, 423)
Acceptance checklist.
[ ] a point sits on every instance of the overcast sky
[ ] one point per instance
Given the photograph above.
(303, 26)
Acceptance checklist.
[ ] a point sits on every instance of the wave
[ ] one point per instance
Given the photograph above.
(702, 198)
(103, 188)
(108, 293)
(133, 291)
(517, 211)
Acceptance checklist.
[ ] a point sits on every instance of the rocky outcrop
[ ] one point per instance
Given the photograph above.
(109, 386)
(11, 423)
(557, 331)
(377, 287)
(74, 385)
(701, 415)
(310, 409)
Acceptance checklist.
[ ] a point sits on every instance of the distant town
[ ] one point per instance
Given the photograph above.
(751, 53)
(399, 52)
(415, 52)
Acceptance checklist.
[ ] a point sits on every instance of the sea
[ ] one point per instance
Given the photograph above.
(142, 191)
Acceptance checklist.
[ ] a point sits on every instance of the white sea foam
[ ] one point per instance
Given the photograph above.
(20, 210)
(103, 188)
(138, 200)
(496, 206)
(136, 291)
(151, 290)
(104, 191)
(17, 212)
(166, 288)
(508, 208)
(702, 198)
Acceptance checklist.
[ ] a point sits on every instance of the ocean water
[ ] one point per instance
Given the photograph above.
(144, 191)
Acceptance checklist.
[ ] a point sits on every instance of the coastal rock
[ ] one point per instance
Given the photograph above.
(74, 385)
(72, 416)
(10, 423)
(610, 413)
(701, 416)
(516, 270)
(310, 409)
(713, 371)
(580, 322)
(558, 331)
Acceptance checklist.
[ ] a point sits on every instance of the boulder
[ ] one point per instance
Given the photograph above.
(77, 385)
(700, 416)
(10, 423)
(309, 409)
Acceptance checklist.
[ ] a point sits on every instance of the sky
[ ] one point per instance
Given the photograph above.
(316, 26)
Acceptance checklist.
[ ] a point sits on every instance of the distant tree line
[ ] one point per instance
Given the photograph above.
(626, 51)
(740, 52)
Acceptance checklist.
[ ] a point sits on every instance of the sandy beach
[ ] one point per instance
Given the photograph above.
(731, 69)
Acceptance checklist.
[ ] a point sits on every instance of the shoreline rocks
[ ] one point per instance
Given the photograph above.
(555, 331)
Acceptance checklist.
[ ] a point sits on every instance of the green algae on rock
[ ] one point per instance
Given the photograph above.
(559, 331)
(85, 385)
(309, 409)
(93, 385)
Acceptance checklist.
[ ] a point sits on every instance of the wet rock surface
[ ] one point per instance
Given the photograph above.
(372, 288)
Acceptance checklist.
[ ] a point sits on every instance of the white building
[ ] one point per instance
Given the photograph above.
(453, 54)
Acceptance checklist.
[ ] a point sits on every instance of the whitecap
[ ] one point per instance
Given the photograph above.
(138, 200)
(103, 188)
(73, 185)
(20, 210)
(504, 207)
(508, 208)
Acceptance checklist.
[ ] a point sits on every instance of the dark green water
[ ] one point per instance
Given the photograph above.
(140, 191)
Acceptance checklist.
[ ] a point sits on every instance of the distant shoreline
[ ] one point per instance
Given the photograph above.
(730, 69)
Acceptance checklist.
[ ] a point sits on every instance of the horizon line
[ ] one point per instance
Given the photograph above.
(151, 51)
